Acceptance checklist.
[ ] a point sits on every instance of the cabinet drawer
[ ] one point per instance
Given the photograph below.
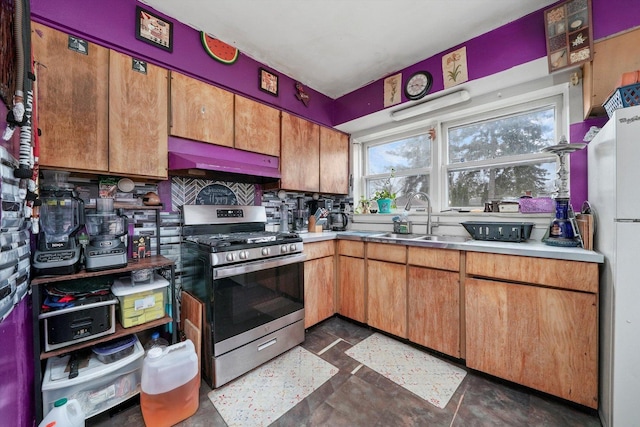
(319, 249)
(351, 248)
(387, 252)
(443, 259)
(574, 275)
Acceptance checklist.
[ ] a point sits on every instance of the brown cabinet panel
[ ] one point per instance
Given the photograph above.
(387, 252)
(434, 309)
(539, 337)
(319, 249)
(201, 111)
(334, 161)
(611, 58)
(351, 248)
(351, 288)
(319, 285)
(575, 275)
(299, 154)
(387, 297)
(443, 259)
(257, 127)
(138, 117)
(73, 102)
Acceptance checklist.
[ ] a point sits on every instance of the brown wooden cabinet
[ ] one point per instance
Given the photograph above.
(334, 161)
(73, 101)
(538, 326)
(387, 288)
(351, 280)
(257, 127)
(433, 306)
(201, 111)
(611, 58)
(299, 154)
(138, 118)
(97, 113)
(319, 282)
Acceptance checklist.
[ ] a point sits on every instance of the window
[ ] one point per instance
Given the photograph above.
(474, 158)
(500, 156)
(408, 158)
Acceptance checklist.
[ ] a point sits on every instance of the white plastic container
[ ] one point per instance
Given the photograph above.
(170, 384)
(65, 413)
(140, 303)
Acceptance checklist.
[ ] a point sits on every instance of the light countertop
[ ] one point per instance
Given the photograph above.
(533, 248)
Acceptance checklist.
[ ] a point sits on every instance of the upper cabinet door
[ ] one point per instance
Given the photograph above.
(72, 100)
(257, 127)
(334, 162)
(200, 111)
(299, 154)
(138, 104)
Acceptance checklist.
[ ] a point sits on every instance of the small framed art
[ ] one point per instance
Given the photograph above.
(268, 82)
(154, 30)
(569, 34)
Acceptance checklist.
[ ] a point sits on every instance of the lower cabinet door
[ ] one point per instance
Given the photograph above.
(318, 290)
(387, 297)
(351, 285)
(539, 337)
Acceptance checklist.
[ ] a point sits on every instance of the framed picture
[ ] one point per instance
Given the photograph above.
(154, 30)
(268, 82)
(568, 34)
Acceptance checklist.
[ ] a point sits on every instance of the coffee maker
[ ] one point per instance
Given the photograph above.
(61, 217)
(300, 216)
(107, 230)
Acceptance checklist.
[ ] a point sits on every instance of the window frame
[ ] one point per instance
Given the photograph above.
(439, 168)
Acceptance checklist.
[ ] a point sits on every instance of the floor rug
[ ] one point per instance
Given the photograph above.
(263, 395)
(432, 379)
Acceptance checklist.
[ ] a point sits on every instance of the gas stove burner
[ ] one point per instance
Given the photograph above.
(224, 240)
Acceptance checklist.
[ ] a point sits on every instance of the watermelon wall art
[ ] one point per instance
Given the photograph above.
(219, 50)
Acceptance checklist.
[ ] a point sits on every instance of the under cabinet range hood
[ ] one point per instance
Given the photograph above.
(207, 161)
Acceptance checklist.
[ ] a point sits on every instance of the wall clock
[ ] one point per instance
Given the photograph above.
(418, 85)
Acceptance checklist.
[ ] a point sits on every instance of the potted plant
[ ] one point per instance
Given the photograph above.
(385, 196)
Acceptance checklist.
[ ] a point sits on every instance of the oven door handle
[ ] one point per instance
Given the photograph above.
(251, 267)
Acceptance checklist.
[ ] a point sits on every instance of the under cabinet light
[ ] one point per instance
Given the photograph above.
(432, 105)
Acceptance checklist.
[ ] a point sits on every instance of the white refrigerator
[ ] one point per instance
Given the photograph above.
(614, 193)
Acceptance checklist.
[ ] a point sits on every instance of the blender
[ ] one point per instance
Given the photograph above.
(61, 216)
(107, 230)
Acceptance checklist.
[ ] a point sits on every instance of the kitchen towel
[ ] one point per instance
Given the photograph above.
(432, 379)
(263, 395)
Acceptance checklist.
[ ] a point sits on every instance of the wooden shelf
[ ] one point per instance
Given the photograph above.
(154, 261)
(120, 331)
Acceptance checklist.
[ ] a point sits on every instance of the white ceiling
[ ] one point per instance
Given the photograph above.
(338, 46)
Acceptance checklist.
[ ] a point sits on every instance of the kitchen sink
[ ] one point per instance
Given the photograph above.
(420, 237)
(453, 239)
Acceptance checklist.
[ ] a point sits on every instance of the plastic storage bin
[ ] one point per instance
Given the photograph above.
(140, 303)
(97, 387)
(170, 384)
(115, 350)
(499, 231)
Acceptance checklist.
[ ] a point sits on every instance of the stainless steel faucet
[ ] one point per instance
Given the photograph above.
(407, 207)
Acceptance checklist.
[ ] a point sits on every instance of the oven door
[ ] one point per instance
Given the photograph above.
(253, 299)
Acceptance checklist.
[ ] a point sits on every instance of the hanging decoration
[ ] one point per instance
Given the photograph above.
(219, 50)
(302, 95)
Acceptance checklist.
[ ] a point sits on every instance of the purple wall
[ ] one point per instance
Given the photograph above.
(111, 23)
(16, 367)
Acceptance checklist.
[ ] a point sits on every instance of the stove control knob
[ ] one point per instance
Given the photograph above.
(265, 251)
(283, 249)
(292, 247)
(229, 256)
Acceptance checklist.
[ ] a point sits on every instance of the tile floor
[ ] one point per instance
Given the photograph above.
(366, 398)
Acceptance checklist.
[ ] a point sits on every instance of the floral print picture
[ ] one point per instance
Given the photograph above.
(454, 68)
(392, 90)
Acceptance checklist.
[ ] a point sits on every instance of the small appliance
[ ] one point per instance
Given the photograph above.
(300, 216)
(107, 230)
(338, 221)
(61, 217)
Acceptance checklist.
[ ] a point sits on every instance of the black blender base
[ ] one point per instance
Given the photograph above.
(56, 271)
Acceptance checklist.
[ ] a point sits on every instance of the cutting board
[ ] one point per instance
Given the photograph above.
(586, 227)
(191, 321)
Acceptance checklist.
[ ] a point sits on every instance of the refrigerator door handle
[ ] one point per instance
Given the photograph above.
(627, 220)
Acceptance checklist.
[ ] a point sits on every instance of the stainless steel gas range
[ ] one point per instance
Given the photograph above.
(251, 284)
